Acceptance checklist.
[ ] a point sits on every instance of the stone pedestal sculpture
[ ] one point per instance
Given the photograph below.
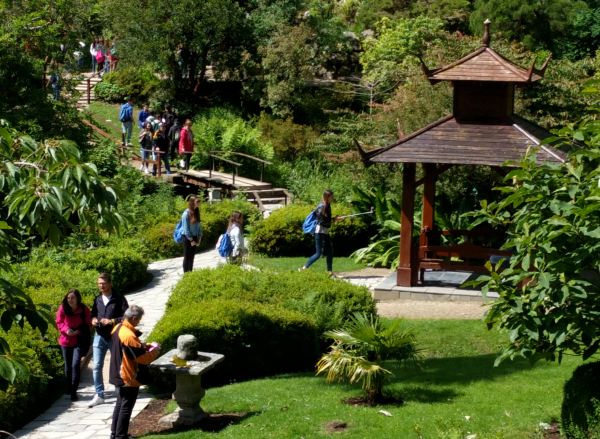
(188, 365)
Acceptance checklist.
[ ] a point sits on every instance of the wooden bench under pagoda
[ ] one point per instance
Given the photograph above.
(483, 130)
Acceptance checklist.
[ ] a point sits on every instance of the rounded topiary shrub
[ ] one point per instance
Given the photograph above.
(257, 339)
(580, 412)
(281, 233)
(328, 301)
(127, 267)
(160, 242)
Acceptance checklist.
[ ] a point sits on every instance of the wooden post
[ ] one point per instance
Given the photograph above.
(233, 175)
(262, 169)
(159, 165)
(89, 91)
(428, 218)
(407, 271)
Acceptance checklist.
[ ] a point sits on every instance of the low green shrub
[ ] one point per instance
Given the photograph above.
(109, 92)
(127, 267)
(328, 301)
(281, 233)
(160, 242)
(24, 400)
(257, 339)
(138, 83)
(580, 411)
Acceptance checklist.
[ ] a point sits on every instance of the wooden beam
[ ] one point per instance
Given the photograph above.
(407, 273)
(438, 171)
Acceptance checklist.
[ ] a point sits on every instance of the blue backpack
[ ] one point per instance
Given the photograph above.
(310, 223)
(225, 247)
(178, 233)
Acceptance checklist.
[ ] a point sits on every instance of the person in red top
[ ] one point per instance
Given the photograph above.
(74, 321)
(186, 142)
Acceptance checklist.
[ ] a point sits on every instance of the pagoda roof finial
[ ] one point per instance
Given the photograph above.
(486, 34)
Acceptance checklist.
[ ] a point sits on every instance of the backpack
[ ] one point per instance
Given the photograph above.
(225, 247)
(53, 79)
(178, 233)
(310, 223)
(155, 125)
(99, 56)
(176, 135)
(122, 116)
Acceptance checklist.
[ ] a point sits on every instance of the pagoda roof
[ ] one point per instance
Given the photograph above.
(449, 141)
(485, 64)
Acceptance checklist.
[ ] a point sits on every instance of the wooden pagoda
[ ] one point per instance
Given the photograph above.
(482, 130)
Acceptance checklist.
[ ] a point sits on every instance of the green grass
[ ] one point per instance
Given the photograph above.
(457, 380)
(110, 113)
(292, 264)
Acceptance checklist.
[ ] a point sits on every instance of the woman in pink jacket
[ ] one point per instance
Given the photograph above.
(74, 321)
(186, 142)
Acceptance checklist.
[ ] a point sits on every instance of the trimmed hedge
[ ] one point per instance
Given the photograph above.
(263, 322)
(257, 339)
(281, 233)
(328, 301)
(25, 400)
(580, 411)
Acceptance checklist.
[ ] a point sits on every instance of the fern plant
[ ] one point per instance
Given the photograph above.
(360, 348)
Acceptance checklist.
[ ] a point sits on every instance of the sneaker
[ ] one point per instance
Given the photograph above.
(96, 401)
(142, 167)
(146, 171)
(74, 396)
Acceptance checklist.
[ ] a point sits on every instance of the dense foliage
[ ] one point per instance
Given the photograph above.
(548, 296)
(281, 233)
(265, 323)
(580, 412)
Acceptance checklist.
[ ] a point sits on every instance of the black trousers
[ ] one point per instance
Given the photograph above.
(189, 251)
(72, 357)
(126, 398)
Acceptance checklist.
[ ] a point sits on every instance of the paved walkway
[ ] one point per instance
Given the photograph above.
(66, 419)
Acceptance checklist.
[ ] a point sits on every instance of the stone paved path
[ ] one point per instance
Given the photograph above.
(75, 420)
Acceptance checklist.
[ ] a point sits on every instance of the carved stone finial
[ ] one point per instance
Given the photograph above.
(486, 35)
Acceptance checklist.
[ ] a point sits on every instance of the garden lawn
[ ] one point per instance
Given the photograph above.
(292, 264)
(110, 113)
(457, 380)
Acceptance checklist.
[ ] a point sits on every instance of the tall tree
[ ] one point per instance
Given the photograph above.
(181, 37)
(538, 24)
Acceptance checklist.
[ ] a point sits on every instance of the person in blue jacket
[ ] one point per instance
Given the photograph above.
(126, 118)
(191, 232)
(142, 116)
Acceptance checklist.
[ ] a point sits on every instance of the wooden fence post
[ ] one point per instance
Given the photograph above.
(159, 163)
(89, 91)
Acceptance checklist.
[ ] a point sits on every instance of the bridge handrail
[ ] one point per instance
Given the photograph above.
(243, 155)
(225, 160)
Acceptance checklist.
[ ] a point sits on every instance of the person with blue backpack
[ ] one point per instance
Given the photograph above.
(231, 243)
(191, 233)
(126, 119)
(318, 222)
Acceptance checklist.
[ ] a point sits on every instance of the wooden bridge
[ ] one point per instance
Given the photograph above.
(259, 192)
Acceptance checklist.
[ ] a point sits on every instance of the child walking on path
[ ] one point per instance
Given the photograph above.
(236, 235)
(322, 239)
(191, 233)
(74, 321)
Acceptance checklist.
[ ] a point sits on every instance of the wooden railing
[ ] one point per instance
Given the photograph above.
(261, 161)
(121, 144)
(235, 164)
(111, 66)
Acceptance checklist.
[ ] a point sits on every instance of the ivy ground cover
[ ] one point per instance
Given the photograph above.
(457, 381)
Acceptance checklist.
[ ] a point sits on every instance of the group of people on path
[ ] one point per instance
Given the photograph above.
(104, 54)
(159, 133)
(191, 234)
(115, 323)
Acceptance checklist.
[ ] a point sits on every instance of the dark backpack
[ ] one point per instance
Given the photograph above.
(53, 79)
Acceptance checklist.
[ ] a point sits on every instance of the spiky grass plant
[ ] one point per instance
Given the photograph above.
(359, 349)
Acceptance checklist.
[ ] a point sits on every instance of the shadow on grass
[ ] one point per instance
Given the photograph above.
(415, 384)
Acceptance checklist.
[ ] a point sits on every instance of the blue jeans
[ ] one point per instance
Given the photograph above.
(146, 155)
(323, 244)
(72, 357)
(56, 92)
(101, 346)
(127, 130)
(164, 156)
(93, 64)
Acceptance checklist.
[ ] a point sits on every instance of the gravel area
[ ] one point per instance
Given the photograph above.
(429, 309)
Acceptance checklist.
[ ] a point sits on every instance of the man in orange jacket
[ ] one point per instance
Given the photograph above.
(129, 361)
